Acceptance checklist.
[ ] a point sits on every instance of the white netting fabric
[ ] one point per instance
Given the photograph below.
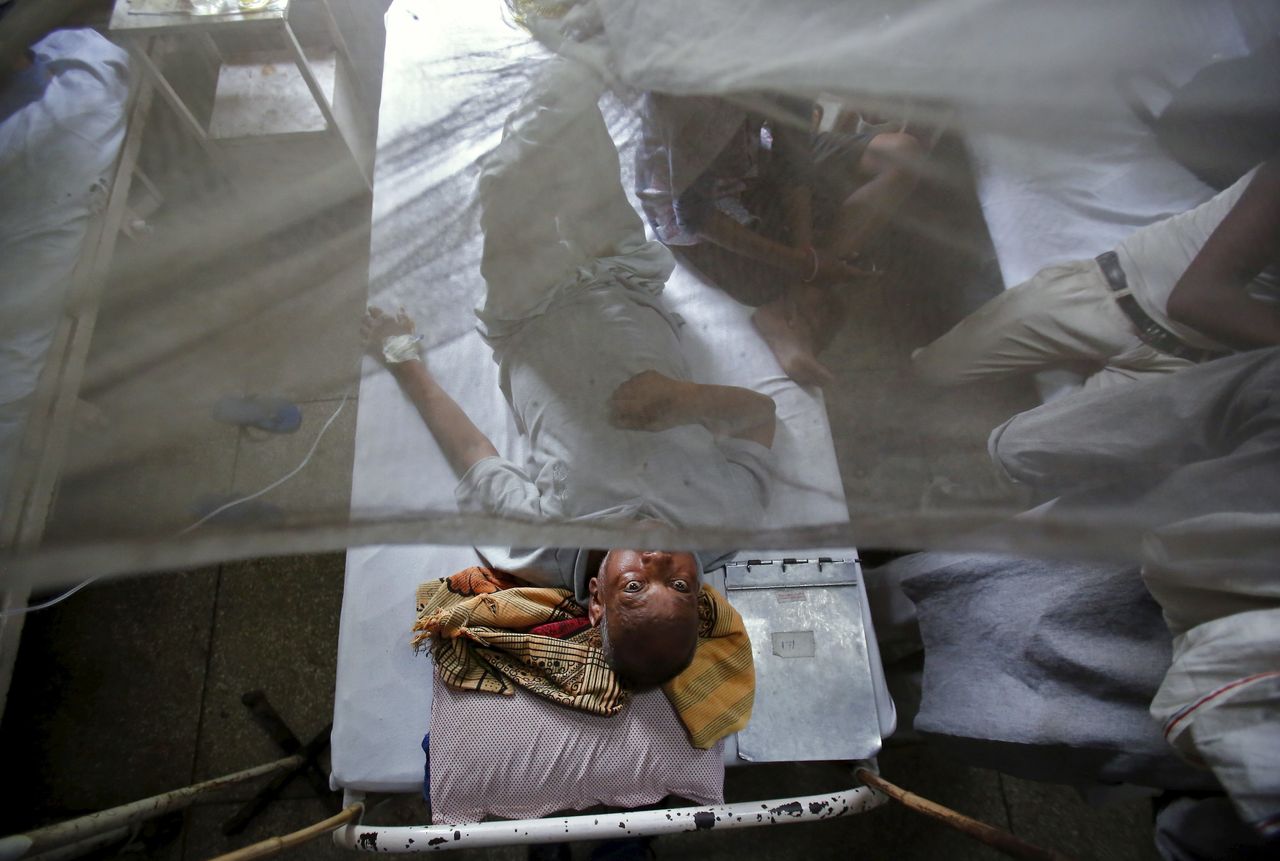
(246, 275)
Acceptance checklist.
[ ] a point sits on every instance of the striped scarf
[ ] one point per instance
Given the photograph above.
(477, 623)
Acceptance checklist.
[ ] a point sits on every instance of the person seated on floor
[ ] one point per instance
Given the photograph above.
(591, 365)
(773, 226)
(1181, 291)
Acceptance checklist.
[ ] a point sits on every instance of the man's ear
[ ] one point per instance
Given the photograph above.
(595, 606)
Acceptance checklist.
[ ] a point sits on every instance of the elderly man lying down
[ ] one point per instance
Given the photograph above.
(590, 361)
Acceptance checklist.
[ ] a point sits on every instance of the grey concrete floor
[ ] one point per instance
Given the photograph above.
(132, 687)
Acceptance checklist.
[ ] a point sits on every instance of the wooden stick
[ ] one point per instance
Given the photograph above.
(84, 847)
(276, 845)
(996, 838)
(240, 819)
(74, 830)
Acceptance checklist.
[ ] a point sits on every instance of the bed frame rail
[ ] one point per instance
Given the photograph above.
(405, 839)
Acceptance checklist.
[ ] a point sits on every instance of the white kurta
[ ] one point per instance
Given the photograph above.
(573, 309)
(56, 154)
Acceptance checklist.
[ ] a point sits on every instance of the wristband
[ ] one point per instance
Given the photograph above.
(401, 348)
(813, 252)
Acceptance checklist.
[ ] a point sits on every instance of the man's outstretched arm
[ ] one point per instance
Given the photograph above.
(651, 401)
(462, 442)
(1210, 296)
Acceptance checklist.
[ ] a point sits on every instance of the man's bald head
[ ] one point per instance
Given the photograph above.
(646, 604)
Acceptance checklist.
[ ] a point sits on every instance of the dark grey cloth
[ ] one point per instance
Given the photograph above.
(1208, 829)
(1043, 668)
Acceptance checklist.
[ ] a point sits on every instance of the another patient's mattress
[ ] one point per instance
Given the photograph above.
(1063, 185)
(1060, 185)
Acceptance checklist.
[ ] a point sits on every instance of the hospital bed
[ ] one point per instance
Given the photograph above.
(383, 698)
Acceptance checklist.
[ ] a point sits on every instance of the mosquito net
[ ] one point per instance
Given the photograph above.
(695, 274)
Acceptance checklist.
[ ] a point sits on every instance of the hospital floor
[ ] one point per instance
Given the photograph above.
(132, 687)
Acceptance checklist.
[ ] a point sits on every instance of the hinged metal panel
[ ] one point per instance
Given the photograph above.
(815, 698)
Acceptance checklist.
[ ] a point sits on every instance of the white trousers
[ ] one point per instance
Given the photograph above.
(1065, 316)
(1219, 704)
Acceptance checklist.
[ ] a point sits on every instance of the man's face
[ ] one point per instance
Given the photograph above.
(649, 600)
(644, 585)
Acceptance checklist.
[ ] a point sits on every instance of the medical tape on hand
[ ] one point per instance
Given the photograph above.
(401, 348)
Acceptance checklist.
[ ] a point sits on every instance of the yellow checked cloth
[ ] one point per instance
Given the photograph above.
(477, 623)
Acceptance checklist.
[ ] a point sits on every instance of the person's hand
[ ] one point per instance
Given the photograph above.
(377, 326)
(649, 401)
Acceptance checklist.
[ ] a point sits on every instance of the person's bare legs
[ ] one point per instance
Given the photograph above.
(786, 321)
(889, 169)
(801, 322)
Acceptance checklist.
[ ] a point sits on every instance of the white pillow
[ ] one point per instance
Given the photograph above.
(523, 757)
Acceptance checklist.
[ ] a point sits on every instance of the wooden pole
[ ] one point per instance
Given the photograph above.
(240, 819)
(84, 847)
(75, 830)
(996, 838)
(276, 845)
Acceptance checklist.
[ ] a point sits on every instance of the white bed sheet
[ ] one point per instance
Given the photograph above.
(382, 696)
(1056, 187)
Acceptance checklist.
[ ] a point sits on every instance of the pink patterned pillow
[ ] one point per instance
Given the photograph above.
(523, 757)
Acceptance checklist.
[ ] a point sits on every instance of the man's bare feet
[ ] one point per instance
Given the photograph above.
(791, 340)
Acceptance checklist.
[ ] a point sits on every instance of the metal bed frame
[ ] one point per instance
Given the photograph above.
(406, 839)
(835, 615)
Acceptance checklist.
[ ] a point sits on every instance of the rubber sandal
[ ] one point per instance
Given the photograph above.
(271, 414)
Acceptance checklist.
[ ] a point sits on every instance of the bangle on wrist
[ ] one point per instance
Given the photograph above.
(813, 259)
